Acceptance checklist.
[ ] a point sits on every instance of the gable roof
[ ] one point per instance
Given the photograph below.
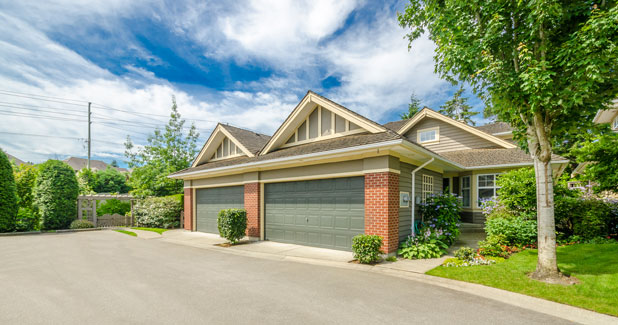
(251, 140)
(395, 125)
(495, 128)
(350, 141)
(427, 112)
(15, 159)
(306, 106)
(493, 157)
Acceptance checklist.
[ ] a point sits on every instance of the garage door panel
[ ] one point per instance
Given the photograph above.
(326, 213)
(210, 201)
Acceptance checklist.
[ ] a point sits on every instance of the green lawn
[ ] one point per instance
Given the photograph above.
(130, 233)
(596, 267)
(157, 230)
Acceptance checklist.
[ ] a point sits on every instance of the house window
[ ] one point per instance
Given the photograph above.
(487, 187)
(428, 135)
(615, 124)
(465, 191)
(427, 187)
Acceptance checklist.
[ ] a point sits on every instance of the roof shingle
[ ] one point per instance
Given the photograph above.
(496, 127)
(490, 157)
(253, 141)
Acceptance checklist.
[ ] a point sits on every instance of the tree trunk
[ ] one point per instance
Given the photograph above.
(540, 149)
(546, 267)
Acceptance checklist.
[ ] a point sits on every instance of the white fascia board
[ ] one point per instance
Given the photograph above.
(513, 165)
(291, 158)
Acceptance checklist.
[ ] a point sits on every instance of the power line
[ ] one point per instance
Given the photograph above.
(46, 107)
(11, 113)
(41, 110)
(57, 136)
(43, 99)
(15, 92)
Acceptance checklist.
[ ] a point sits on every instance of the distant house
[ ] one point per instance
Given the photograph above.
(609, 116)
(17, 161)
(81, 163)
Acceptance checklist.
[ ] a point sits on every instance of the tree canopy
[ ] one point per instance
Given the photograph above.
(8, 195)
(601, 155)
(167, 151)
(543, 66)
(457, 108)
(413, 108)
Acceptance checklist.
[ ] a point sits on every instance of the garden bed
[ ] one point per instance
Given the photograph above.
(594, 265)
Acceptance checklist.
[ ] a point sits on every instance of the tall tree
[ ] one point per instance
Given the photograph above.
(413, 107)
(543, 66)
(167, 151)
(457, 108)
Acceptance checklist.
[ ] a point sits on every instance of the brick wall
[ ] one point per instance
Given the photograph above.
(382, 208)
(252, 205)
(188, 209)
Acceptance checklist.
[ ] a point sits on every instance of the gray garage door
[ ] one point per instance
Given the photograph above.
(323, 213)
(212, 200)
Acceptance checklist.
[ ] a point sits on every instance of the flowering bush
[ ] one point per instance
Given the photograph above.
(157, 212)
(441, 216)
(494, 246)
(426, 244)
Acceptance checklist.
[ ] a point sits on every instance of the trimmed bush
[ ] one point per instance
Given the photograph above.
(113, 206)
(366, 248)
(232, 224)
(157, 212)
(55, 194)
(81, 224)
(28, 219)
(8, 195)
(517, 231)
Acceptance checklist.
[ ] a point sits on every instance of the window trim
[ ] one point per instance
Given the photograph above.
(424, 191)
(436, 140)
(495, 187)
(469, 188)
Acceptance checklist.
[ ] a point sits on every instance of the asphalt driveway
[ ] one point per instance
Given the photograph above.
(105, 277)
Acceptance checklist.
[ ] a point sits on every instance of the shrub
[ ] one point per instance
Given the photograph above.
(28, 219)
(8, 195)
(55, 194)
(232, 224)
(157, 212)
(517, 191)
(81, 224)
(366, 248)
(465, 253)
(516, 231)
(113, 206)
(87, 180)
(110, 180)
(25, 179)
(494, 246)
(425, 244)
(441, 214)
(587, 217)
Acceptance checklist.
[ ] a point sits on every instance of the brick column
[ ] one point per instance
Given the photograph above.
(382, 208)
(188, 208)
(252, 205)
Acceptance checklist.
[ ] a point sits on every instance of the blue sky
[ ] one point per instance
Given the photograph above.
(247, 63)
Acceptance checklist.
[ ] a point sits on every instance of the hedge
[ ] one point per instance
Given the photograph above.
(55, 194)
(158, 212)
(8, 195)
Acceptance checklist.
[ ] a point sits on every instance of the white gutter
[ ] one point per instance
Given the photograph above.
(513, 165)
(412, 197)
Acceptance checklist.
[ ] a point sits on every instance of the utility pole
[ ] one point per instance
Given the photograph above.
(89, 138)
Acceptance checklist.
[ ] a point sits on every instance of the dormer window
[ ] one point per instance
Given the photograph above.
(428, 135)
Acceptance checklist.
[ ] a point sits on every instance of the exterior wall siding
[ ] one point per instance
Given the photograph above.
(252, 206)
(382, 208)
(451, 138)
(188, 209)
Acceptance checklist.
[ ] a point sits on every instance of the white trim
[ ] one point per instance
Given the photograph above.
(412, 196)
(316, 100)
(495, 187)
(502, 133)
(291, 158)
(324, 137)
(513, 165)
(436, 140)
(382, 170)
(227, 157)
(407, 206)
(427, 112)
(221, 185)
(215, 133)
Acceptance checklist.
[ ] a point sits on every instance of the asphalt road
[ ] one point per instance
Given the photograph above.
(105, 277)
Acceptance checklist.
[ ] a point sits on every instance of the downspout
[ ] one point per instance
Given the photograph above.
(413, 197)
